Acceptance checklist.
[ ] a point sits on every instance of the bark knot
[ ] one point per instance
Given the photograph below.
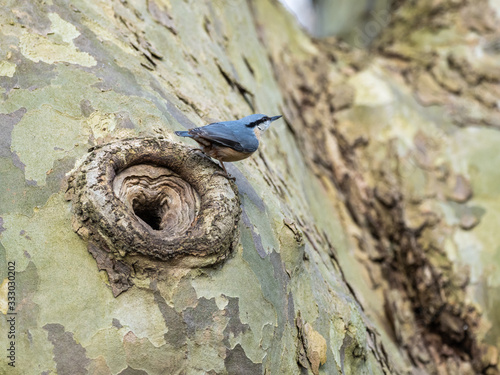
(146, 203)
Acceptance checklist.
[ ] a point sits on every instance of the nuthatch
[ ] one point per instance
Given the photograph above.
(230, 140)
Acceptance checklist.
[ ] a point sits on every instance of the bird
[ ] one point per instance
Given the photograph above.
(229, 141)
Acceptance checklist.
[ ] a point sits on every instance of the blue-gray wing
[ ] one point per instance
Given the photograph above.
(230, 134)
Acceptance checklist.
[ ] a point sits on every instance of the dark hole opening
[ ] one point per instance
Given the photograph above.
(151, 215)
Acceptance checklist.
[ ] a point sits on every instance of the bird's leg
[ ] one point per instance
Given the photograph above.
(223, 167)
(225, 171)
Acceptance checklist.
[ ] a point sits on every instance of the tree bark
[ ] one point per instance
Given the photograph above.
(367, 233)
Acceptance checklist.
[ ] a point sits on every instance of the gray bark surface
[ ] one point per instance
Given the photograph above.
(367, 239)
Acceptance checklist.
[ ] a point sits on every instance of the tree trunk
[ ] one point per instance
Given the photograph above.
(367, 234)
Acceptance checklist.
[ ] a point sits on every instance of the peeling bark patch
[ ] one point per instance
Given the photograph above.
(468, 216)
(29, 75)
(38, 48)
(291, 309)
(234, 327)
(152, 199)
(462, 190)
(2, 229)
(70, 357)
(32, 15)
(119, 272)
(30, 195)
(247, 189)
(347, 342)
(22, 167)
(237, 362)
(278, 268)
(123, 121)
(7, 123)
(277, 290)
(314, 346)
(200, 317)
(132, 371)
(256, 236)
(161, 16)
(109, 73)
(176, 335)
(86, 107)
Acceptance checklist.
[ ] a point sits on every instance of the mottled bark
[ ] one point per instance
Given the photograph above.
(367, 239)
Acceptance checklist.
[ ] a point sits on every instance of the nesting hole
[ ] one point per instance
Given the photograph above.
(150, 212)
(158, 197)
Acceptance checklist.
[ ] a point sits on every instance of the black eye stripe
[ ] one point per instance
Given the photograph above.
(258, 122)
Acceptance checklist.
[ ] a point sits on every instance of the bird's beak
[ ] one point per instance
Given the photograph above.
(275, 118)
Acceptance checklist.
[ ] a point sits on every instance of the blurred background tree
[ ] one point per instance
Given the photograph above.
(368, 235)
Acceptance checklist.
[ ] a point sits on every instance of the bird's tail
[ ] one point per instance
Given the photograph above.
(183, 133)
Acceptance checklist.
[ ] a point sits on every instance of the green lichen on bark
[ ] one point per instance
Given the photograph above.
(323, 199)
